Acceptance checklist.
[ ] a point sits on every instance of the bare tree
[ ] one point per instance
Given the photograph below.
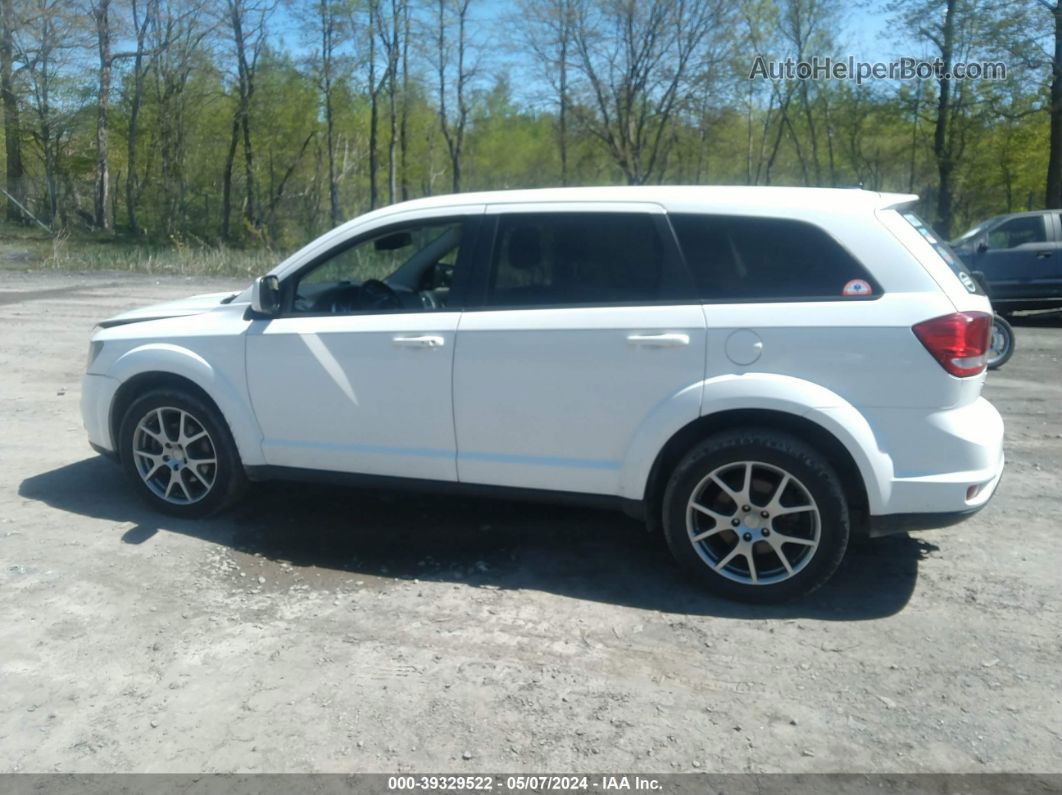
(374, 88)
(329, 20)
(101, 14)
(100, 11)
(637, 56)
(946, 148)
(142, 16)
(12, 121)
(1029, 32)
(403, 126)
(178, 29)
(804, 27)
(759, 27)
(390, 29)
(44, 44)
(1053, 197)
(452, 65)
(546, 28)
(953, 29)
(247, 22)
(329, 23)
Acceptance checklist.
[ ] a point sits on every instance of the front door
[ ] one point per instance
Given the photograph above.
(1020, 257)
(355, 376)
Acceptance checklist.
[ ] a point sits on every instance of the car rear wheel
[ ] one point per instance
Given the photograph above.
(757, 516)
(179, 453)
(1000, 344)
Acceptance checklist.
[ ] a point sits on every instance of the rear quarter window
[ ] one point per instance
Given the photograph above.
(778, 259)
(945, 251)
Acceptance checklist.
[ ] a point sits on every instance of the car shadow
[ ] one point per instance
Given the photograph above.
(577, 552)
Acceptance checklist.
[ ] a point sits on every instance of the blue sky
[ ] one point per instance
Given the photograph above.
(871, 39)
(866, 36)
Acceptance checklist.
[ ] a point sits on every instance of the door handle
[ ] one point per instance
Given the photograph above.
(1043, 254)
(422, 341)
(667, 340)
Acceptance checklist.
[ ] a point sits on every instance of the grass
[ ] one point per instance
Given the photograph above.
(25, 249)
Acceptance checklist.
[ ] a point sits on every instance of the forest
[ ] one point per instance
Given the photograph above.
(258, 124)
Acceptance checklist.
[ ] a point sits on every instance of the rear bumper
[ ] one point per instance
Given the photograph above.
(890, 524)
(946, 468)
(946, 461)
(894, 523)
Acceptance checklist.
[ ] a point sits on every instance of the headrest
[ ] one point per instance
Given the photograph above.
(525, 248)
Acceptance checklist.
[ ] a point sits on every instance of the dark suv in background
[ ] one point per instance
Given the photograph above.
(1020, 258)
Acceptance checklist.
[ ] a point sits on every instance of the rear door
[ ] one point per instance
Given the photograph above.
(584, 326)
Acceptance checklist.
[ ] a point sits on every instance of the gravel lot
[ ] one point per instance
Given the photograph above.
(316, 629)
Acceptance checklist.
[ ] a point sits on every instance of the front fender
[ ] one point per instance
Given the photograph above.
(229, 396)
(766, 392)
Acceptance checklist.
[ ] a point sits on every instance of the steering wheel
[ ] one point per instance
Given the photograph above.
(375, 294)
(370, 294)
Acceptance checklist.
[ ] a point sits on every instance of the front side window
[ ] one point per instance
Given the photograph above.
(401, 268)
(1017, 231)
(751, 258)
(559, 259)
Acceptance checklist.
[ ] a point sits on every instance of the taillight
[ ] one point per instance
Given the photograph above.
(958, 341)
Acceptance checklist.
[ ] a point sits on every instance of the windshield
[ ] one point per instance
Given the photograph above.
(969, 233)
(945, 251)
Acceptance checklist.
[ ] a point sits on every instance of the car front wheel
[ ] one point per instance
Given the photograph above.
(757, 516)
(179, 453)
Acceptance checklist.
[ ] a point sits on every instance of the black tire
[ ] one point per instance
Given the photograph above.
(775, 454)
(999, 357)
(227, 478)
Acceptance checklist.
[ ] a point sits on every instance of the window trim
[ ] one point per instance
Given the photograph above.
(463, 267)
(878, 290)
(672, 263)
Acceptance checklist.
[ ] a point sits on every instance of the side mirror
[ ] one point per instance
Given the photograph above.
(982, 247)
(265, 296)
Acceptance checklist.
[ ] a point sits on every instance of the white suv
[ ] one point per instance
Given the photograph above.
(760, 373)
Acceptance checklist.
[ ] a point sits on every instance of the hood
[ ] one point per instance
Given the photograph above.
(192, 305)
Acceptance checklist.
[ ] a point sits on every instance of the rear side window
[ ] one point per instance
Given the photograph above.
(946, 252)
(558, 259)
(748, 258)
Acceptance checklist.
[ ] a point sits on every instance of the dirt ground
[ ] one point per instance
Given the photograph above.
(315, 629)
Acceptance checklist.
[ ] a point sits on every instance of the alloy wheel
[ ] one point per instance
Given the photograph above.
(753, 523)
(175, 455)
(997, 344)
